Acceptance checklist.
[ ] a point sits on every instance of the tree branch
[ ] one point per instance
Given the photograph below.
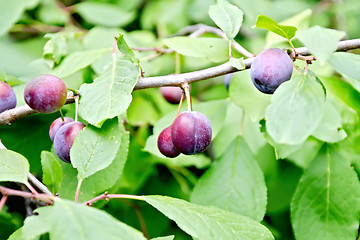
(12, 192)
(177, 79)
(10, 116)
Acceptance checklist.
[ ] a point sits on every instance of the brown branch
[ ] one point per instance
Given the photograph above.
(3, 201)
(177, 79)
(12, 115)
(40, 196)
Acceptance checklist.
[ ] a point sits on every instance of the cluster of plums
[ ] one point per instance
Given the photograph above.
(190, 133)
(46, 94)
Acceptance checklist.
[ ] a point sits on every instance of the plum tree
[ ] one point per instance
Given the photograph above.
(171, 94)
(166, 145)
(57, 124)
(45, 93)
(7, 97)
(191, 132)
(64, 139)
(271, 68)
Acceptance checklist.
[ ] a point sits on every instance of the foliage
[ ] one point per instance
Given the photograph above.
(280, 166)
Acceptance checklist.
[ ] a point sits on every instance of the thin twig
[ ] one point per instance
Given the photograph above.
(38, 184)
(31, 188)
(141, 221)
(3, 201)
(41, 196)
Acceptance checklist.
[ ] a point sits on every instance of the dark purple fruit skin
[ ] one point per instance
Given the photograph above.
(227, 80)
(165, 144)
(171, 94)
(45, 93)
(56, 124)
(64, 139)
(191, 133)
(271, 68)
(7, 97)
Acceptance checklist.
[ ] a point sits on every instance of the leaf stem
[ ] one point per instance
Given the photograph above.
(107, 196)
(78, 190)
(180, 103)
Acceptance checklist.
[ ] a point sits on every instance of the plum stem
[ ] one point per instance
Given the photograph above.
(186, 88)
(61, 115)
(76, 107)
(180, 103)
(78, 190)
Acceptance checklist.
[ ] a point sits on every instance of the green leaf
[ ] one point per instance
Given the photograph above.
(109, 15)
(77, 61)
(321, 42)
(95, 148)
(330, 129)
(13, 167)
(300, 21)
(164, 238)
(214, 49)
(17, 235)
(52, 173)
(110, 93)
(244, 94)
(234, 182)
(296, 110)
(265, 22)
(227, 16)
(98, 182)
(125, 49)
(11, 11)
(78, 222)
(325, 203)
(237, 63)
(347, 64)
(56, 47)
(343, 91)
(208, 222)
